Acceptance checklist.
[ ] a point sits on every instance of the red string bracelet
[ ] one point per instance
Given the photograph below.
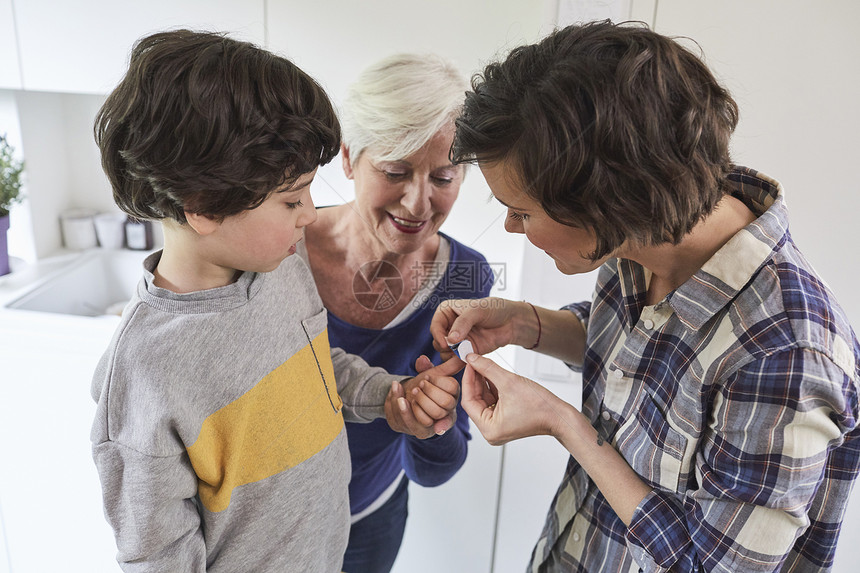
(539, 326)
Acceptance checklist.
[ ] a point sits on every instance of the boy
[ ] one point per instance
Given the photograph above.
(219, 435)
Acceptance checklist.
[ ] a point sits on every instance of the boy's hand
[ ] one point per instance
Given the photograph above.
(425, 405)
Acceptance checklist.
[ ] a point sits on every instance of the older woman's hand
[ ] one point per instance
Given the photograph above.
(425, 405)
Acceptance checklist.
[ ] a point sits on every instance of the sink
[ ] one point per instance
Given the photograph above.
(97, 282)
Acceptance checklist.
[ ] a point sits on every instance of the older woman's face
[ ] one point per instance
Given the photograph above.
(568, 246)
(406, 201)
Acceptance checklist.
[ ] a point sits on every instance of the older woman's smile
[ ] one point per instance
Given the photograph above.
(406, 225)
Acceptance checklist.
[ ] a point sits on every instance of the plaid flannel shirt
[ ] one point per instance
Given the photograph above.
(735, 398)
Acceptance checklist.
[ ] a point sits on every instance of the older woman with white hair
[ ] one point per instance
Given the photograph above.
(382, 267)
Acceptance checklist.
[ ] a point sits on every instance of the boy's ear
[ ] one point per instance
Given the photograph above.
(344, 157)
(201, 224)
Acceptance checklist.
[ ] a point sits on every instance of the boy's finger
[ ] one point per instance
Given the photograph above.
(426, 406)
(445, 383)
(423, 363)
(420, 415)
(447, 368)
(445, 424)
(446, 353)
(408, 423)
(442, 391)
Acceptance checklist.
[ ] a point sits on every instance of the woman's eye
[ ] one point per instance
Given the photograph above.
(442, 180)
(394, 175)
(295, 205)
(517, 216)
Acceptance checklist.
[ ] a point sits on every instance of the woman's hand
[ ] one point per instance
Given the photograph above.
(489, 323)
(505, 406)
(425, 405)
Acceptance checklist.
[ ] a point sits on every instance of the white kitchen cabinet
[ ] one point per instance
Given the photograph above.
(532, 468)
(450, 527)
(83, 47)
(49, 487)
(334, 41)
(10, 72)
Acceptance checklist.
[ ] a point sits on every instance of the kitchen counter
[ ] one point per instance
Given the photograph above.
(50, 496)
(24, 275)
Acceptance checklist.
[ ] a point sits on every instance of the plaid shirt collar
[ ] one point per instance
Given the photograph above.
(726, 272)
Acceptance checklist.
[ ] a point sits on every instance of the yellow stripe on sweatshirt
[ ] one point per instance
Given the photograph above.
(282, 421)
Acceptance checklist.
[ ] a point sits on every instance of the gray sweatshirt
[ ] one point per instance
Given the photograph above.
(218, 434)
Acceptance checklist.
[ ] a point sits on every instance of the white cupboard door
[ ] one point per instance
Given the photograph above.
(83, 47)
(10, 72)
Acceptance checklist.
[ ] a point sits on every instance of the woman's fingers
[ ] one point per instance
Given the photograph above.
(468, 314)
(445, 315)
(476, 394)
(453, 320)
(489, 370)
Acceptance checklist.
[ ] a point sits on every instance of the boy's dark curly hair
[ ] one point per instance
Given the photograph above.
(210, 125)
(611, 128)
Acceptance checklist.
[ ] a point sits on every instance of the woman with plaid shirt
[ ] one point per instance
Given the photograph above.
(719, 421)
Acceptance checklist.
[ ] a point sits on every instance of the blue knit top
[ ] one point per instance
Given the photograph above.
(378, 453)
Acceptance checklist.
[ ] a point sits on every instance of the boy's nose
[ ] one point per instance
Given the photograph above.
(309, 213)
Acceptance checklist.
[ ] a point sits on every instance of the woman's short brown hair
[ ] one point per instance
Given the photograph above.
(210, 125)
(612, 128)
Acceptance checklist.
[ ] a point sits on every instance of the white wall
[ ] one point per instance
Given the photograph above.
(62, 163)
(21, 242)
(792, 67)
(10, 70)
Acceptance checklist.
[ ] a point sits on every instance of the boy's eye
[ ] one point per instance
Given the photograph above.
(442, 180)
(295, 205)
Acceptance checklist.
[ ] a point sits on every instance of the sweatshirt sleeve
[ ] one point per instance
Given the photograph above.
(149, 502)
(362, 388)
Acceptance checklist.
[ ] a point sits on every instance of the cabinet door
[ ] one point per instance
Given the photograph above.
(83, 47)
(450, 527)
(10, 73)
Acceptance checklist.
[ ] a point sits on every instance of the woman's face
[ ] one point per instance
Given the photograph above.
(568, 246)
(405, 201)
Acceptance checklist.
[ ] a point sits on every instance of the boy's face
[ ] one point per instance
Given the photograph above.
(259, 239)
(568, 246)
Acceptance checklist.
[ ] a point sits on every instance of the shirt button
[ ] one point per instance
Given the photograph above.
(648, 324)
(617, 374)
(605, 415)
(576, 536)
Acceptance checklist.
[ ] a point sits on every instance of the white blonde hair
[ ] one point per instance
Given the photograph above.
(398, 104)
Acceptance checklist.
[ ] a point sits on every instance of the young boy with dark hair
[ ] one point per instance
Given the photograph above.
(219, 432)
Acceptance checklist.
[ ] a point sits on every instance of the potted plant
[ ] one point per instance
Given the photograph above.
(10, 193)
